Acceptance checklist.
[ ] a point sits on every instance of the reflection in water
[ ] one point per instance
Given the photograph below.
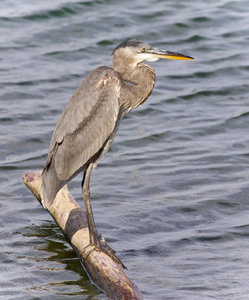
(56, 256)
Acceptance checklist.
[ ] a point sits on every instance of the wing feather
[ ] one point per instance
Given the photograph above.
(86, 123)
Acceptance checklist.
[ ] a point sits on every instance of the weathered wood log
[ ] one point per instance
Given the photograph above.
(106, 274)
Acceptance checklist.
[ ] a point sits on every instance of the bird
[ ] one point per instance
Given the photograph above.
(91, 118)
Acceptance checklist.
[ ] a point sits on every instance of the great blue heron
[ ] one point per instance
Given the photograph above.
(91, 119)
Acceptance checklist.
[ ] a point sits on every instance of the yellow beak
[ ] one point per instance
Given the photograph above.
(159, 54)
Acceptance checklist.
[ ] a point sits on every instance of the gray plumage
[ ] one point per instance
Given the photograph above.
(90, 120)
(87, 122)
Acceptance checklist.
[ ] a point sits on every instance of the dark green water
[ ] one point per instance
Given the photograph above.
(172, 195)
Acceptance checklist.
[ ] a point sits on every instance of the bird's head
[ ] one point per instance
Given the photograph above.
(132, 52)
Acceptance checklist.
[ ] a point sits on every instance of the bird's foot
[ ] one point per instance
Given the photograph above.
(101, 245)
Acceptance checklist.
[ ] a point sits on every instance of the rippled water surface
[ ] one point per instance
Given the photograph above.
(172, 195)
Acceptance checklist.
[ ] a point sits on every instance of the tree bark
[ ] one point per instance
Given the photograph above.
(106, 274)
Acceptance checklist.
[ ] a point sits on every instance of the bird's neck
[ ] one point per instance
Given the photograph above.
(137, 85)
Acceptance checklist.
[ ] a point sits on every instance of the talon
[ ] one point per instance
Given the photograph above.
(101, 245)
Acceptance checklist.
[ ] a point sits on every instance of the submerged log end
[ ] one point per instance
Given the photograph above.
(109, 276)
(105, 273)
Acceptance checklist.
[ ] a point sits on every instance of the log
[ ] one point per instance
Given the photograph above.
(103, 271)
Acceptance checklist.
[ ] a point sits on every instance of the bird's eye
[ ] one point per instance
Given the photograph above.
(143, 50)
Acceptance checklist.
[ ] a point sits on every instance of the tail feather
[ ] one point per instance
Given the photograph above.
(49, 187)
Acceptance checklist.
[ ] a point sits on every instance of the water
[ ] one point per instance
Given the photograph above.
(171, 196)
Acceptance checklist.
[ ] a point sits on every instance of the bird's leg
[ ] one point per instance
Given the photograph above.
(95, 238)
(93, 234)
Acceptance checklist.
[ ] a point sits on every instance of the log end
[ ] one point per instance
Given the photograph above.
(33, 182)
